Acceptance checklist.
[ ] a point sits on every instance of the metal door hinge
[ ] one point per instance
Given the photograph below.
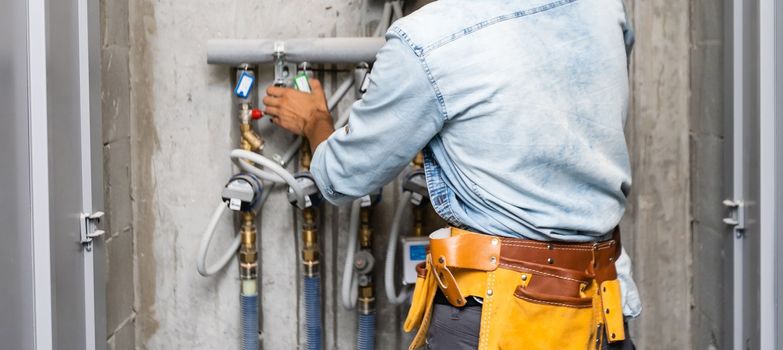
(89, 228)
(736, 217)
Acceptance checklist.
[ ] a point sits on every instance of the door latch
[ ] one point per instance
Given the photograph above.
(736, 217)
(89, 228)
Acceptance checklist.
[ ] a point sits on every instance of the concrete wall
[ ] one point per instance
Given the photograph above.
(673, 226)
(657, 229)
(182, 130)
(115, 100)
(711, 247)
(169, 127)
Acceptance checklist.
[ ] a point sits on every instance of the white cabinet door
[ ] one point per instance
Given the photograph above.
(51, 279)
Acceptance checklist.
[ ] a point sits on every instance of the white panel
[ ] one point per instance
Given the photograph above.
(42, 289)
(768, 209)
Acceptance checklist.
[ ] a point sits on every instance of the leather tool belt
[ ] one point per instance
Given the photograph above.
(536, 295)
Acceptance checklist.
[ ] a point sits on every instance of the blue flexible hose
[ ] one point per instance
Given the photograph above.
(366, 338)
(249, 304)
(312, 295)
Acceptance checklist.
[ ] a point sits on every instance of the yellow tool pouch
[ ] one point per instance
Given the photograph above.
(525, 305)
(421, 301)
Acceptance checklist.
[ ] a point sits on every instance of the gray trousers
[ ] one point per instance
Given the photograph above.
(454, 328)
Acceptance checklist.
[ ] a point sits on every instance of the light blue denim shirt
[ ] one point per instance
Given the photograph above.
(519, 106)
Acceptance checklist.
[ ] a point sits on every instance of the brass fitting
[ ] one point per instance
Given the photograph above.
(310, 251)
(418, 161)
(365, 232)
(251, 141)
(248, 255)
(366, 299)
(305, 155)
(418, 220)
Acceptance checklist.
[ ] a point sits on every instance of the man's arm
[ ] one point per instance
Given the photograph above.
(397, 117)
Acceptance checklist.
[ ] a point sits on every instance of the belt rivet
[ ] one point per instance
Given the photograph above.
(442, 260)
(607, 310)
(459, 301)
(494, 241)
(489, 292)
(524, 277)
(493, 260)
(611, 259)
(549, 246)
(550, 261)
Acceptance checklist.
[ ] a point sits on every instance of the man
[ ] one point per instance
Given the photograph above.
(519, 106)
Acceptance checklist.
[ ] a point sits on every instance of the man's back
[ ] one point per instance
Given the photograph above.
(521, 105)
(535, 96)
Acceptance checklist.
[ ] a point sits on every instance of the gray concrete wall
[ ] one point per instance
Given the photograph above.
(182, 129)
(115, 100)
(657, 229)
(169, 127)
(711, 247)
(673, 226)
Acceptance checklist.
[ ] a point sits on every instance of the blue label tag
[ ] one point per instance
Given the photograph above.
(418, 252)
(244, 85)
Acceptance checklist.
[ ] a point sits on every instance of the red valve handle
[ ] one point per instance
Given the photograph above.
(256, 114)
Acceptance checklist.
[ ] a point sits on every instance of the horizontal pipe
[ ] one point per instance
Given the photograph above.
(322, 50)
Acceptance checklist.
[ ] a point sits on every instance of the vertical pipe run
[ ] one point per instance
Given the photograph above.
(311, 261)
(366, 290)
(366, 304)
(418, 210)
(248, 253)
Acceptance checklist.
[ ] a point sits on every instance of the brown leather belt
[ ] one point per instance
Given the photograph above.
(570, 263)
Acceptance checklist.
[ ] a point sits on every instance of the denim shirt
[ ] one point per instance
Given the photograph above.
(519, 106)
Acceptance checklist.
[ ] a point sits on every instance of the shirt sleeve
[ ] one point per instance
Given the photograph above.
(398, 115)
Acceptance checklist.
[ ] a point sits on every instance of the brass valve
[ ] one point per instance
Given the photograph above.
(251, 141)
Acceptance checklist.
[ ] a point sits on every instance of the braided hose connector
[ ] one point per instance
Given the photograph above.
(366, 338)
(312, 295)
(249, 305)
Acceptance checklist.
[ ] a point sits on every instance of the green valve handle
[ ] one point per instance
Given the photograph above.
(302, 82)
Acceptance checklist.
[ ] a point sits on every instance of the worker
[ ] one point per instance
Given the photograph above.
(519, 107)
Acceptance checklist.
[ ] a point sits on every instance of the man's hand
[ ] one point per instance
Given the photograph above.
(299, 112)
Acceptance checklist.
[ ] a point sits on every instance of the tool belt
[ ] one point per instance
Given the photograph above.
(536, 295)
